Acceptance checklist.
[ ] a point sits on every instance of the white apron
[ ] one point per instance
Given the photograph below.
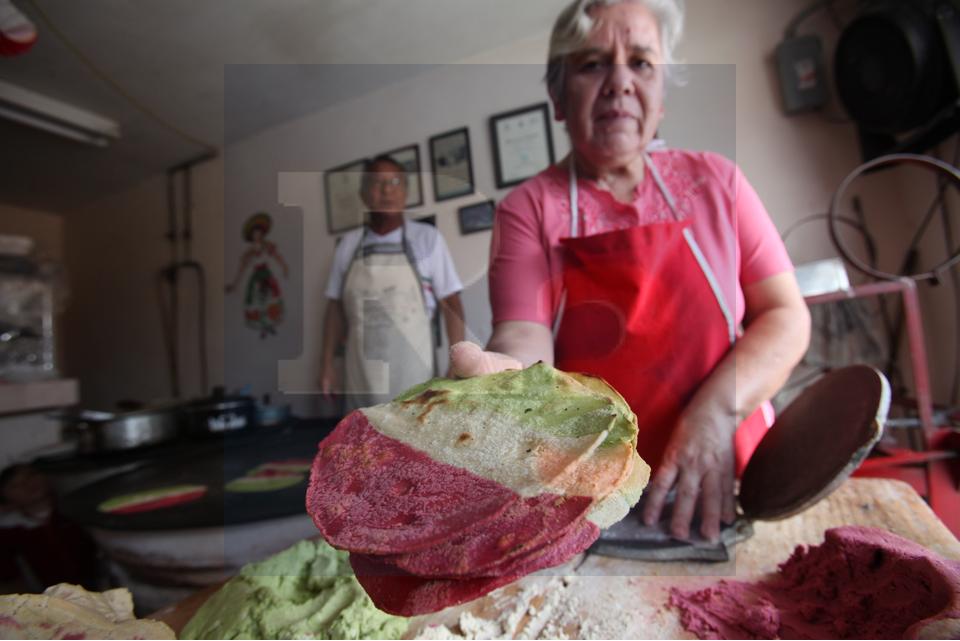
(389, 346)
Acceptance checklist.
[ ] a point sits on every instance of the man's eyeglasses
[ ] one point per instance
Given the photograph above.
(385, 182)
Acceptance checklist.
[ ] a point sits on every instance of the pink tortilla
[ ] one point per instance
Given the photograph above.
(523, 527)
(397, 592)
(373, 494)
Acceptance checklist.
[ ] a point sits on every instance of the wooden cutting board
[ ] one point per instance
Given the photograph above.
(619, 598)
(602, 597)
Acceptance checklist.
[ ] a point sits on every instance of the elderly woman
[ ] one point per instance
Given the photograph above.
(659, 271)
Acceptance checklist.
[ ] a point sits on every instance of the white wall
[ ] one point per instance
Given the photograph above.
(115, 251)
(797, 162)
(732, 104)
(44, 227)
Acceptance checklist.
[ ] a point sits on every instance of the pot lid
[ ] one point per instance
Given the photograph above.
(815, 443)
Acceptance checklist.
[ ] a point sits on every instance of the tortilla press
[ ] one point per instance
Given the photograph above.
(815, 444)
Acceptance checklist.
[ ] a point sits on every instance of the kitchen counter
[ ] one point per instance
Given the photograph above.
(17, 398)
(617, 598)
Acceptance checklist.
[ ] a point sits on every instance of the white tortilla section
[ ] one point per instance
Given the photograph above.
(69, 611)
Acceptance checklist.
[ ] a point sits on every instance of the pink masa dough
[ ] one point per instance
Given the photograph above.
(860, 583)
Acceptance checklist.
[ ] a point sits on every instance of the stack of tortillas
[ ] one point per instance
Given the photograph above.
(456, 488)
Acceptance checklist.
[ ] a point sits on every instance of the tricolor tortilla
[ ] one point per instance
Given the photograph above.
(271, 483)
(271, 476)
(154, 499)
(459, 486)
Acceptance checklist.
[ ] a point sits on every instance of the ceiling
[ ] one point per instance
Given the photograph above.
(170, 58)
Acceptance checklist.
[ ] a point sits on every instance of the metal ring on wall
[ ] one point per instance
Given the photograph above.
(890, 159)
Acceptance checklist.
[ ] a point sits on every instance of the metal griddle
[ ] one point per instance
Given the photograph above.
(815, 444)
(212, 466)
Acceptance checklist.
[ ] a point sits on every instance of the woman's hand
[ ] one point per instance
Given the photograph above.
(469, 359)
(699, 462)
(513, 345)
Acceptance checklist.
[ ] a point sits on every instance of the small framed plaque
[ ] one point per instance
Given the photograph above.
(476, 217)
(450, 164)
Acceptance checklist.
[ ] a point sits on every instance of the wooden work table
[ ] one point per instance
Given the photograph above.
(616, 598)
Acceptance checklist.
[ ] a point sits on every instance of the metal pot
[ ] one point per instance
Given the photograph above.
(107, 431)
(219, 414)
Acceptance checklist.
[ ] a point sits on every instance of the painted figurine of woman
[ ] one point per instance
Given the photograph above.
(263, 299)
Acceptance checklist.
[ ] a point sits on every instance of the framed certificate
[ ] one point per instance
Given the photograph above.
(409, 159)
(345, 209)
(522, 143)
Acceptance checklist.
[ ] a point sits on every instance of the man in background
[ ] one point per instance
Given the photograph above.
(387, 280)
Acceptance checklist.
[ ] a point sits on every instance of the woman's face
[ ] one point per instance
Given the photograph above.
(613, 102)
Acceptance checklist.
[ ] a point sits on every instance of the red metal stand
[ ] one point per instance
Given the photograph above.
(934, 470)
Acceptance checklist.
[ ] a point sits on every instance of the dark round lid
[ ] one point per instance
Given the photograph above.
(816, 443)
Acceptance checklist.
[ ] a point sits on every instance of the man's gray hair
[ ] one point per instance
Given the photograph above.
(574, 24)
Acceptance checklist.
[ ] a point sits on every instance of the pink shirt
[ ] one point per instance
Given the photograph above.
(728, 220)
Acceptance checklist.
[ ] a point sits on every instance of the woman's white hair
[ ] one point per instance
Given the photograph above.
(574, 24)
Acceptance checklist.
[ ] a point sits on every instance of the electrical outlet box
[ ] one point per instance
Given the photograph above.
(803, 82)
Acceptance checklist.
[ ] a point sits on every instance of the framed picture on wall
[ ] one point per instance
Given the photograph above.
(341, 185)
(409, 158)
(450, 164)
(522, 143)
(476, 217)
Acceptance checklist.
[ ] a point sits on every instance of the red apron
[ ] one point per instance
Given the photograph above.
(643, 310)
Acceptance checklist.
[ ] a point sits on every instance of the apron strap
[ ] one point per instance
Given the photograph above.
(357, 253)
(712, 280)
(574, 206)
(667, 195)
(434, 329)
(408, 252)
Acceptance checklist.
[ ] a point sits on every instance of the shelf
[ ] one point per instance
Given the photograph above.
(16, 398)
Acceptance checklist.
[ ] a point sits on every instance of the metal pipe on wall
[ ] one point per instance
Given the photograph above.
(180, 259)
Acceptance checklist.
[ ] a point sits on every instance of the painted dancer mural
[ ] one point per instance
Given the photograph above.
(262, 297)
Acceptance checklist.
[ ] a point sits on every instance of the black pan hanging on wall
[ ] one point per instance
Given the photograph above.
(897, 70)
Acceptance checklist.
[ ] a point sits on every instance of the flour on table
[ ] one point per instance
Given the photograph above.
(545, 609)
